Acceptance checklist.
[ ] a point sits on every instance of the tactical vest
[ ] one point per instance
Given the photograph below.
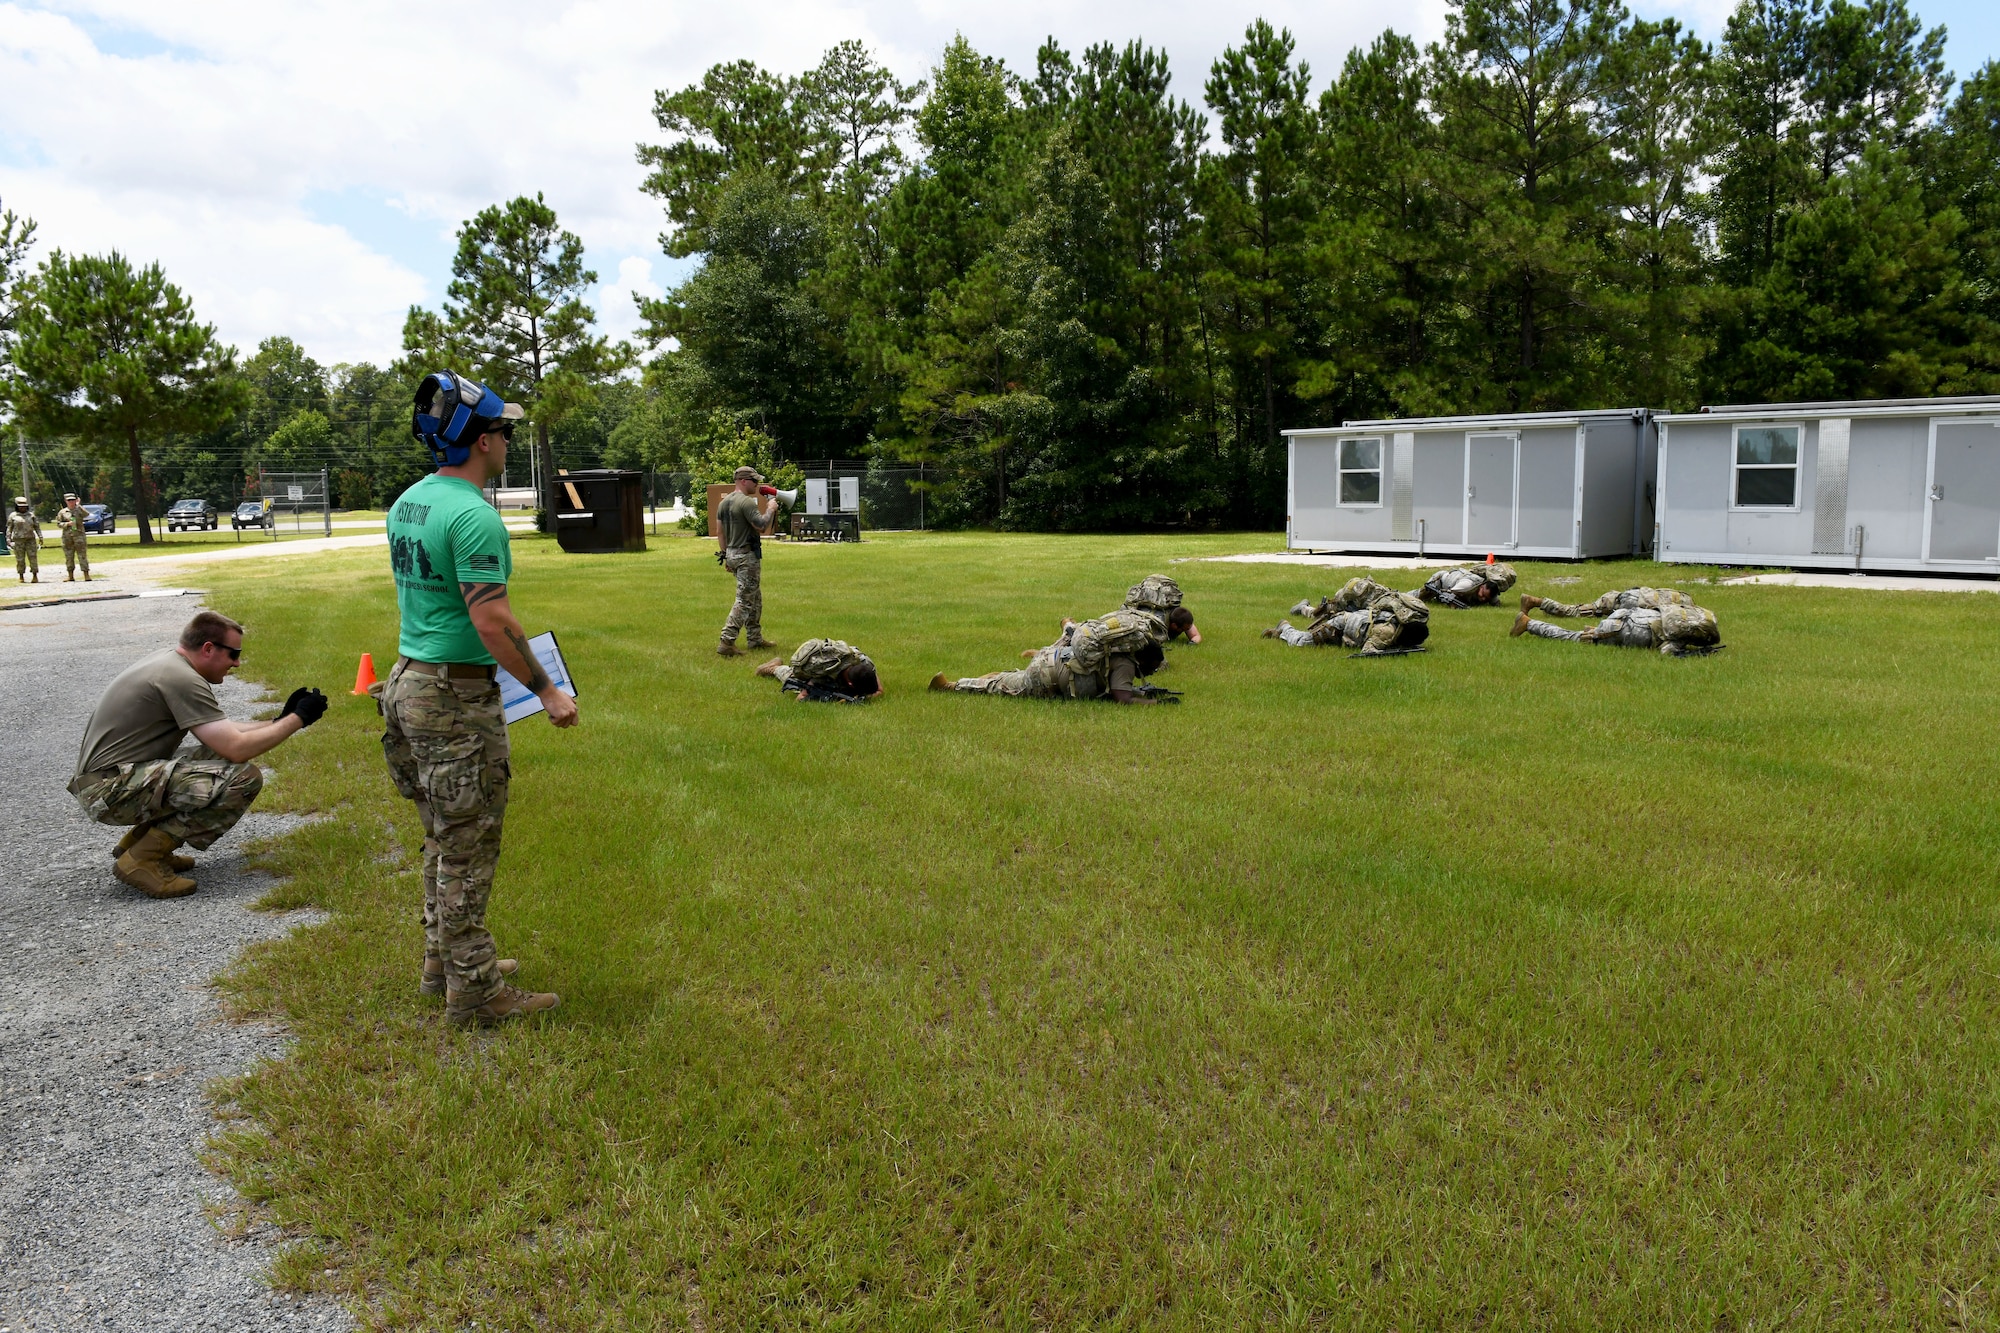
(824, 659)
(1689, 624)
(1093, 643)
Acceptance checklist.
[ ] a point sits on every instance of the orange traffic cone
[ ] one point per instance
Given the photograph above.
(1489, 557)
(364, 675)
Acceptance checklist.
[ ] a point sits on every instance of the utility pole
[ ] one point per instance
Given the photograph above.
(21, 439)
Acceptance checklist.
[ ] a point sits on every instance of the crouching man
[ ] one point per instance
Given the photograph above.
(127, 771)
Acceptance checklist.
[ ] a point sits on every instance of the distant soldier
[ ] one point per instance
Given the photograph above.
(826, 671)
(1678, 629)
(24, 539)
(1631, 599)
(75, 540)
(1364, 615)
(1467, 587)
(1055, 673)
(742, 520)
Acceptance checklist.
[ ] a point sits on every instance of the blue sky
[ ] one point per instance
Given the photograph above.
(299, 166)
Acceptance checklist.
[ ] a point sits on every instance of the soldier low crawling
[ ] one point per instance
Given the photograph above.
(1631, 599)
(826, 671)
(1378, 621)
(1677, 629)
(1054, 672)
(128, 771)
(1468, 586)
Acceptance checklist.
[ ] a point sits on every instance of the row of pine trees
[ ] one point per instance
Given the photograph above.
(1083, 301)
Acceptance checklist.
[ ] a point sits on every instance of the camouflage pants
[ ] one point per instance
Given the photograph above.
(1620, 629)
(1042, 678)
(26, 558)
(446, 743)
(748, 612)
(196, 798)
(76, 551)
(1373, 632)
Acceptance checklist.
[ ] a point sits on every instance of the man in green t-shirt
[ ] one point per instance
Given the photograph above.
(741, 524)
(445, 735)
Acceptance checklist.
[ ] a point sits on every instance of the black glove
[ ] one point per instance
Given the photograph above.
(719, 558)
(308, 704)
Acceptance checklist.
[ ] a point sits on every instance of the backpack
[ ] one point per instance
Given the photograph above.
(824, 659)
(1693, 626)
(1155, 592)
(1500, 574)
(1094, 642)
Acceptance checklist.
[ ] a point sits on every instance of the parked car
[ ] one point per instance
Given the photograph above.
(251, 514)
(197, 514)
(99, 518)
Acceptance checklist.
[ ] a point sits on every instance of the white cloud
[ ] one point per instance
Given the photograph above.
(201, 134)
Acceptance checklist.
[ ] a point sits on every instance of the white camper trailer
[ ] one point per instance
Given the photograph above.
(1560, 485)
(1894, 484)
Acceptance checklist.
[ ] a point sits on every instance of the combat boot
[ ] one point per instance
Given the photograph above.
(1520, 626)
(174, 860)
(770, 668)
(503, 1006)
(144, 867)
(69, 578)
(433, 982)
(1304, 608)
(940, 684)
(1272, 632)
(761, 642)
(728, 648)
(1529, 601)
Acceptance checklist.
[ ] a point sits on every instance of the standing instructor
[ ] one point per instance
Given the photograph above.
(445, 736)
(741, 525)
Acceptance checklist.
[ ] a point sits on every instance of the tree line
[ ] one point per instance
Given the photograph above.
(1087, 302)
(1081, 301)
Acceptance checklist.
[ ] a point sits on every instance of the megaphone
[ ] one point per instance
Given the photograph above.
(789, 499)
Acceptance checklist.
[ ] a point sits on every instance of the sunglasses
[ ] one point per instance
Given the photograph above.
(505, 429)
(235, 654)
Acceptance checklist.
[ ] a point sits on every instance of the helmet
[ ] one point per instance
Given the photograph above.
(20, 502)
(451, 412)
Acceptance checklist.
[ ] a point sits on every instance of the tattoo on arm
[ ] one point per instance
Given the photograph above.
(538, 679)
(476, 594)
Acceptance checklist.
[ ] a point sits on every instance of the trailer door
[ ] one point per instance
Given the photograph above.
(1964, 497)
(1492, 467)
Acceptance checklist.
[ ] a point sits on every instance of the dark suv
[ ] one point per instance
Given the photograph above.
(197, 514)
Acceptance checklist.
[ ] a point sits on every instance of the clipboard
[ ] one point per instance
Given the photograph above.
(516, 700)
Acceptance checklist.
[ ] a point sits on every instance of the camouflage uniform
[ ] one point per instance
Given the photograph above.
(1632, 599)
(748, 610)
(1045, 677)
(75, 541)
(820, 659)
(1459, 588)
(446, 743)
(1364, 615)
(1672, 630)
(24, 539)
(196, 797)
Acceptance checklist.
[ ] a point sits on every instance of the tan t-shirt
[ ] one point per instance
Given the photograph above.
(738, 517)
(1123, 675)
(145, 713)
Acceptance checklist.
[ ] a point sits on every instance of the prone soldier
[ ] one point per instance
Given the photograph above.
(24, 539)
(128, 771)
(70, 520)
(1468, 586)
(1365, 615)
(1057, 672)
(1630, 599)
(444, 733)
(826, 671)
(1677, 629)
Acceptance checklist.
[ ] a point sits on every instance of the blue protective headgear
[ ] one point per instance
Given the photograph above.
(451, 412)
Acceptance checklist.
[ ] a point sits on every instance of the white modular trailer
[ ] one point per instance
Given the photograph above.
(1558, 485)
(1894, 484)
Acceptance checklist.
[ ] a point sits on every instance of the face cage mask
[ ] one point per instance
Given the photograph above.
(447, 407)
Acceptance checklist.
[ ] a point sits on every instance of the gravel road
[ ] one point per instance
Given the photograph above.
(108, 1027)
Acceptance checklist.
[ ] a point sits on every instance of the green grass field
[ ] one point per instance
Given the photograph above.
(1512, 985)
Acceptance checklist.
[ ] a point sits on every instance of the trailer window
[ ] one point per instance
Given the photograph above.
(1361, 472)
(1767, 467)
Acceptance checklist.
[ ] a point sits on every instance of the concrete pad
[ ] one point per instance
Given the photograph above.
(1874, 582)
(1309, 560)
